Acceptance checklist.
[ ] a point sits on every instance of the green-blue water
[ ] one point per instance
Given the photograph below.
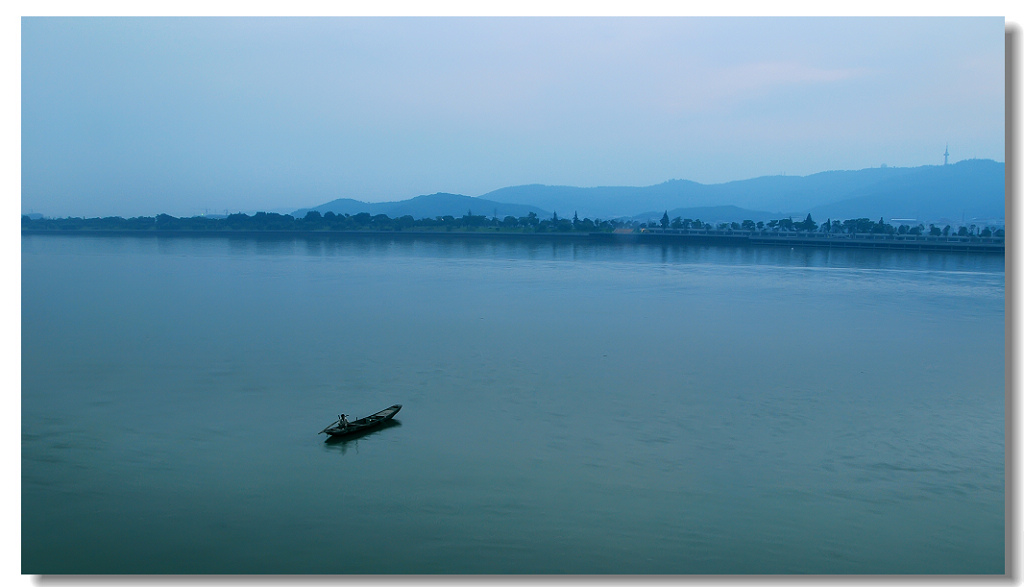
(569, 407)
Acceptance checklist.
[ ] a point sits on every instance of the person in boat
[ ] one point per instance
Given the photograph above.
(343, 421)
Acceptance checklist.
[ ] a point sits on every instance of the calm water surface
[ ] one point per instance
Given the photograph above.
(569, 407)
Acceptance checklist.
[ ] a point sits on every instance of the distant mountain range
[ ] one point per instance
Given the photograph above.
(969, 189)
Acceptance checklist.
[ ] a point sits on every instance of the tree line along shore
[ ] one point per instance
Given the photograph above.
(314, 221)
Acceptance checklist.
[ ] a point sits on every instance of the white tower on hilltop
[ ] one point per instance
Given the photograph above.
(946, 162)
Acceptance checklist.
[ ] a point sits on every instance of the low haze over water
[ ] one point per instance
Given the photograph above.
(569, 407)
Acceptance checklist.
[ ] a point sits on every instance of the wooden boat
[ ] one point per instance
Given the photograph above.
(362, 424)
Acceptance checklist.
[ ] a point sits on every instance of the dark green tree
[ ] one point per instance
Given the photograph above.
(807, 224)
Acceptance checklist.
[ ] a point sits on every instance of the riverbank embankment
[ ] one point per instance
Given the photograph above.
(959, 244)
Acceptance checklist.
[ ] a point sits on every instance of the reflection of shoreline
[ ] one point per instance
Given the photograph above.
(989, 245)
(970, 244)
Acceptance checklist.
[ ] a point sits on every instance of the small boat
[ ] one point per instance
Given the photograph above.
(362, 424)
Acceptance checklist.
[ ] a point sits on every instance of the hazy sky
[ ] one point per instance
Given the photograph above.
(140, 116)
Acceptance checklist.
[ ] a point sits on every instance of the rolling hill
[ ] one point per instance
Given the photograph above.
(969, 189)
(429, 206)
